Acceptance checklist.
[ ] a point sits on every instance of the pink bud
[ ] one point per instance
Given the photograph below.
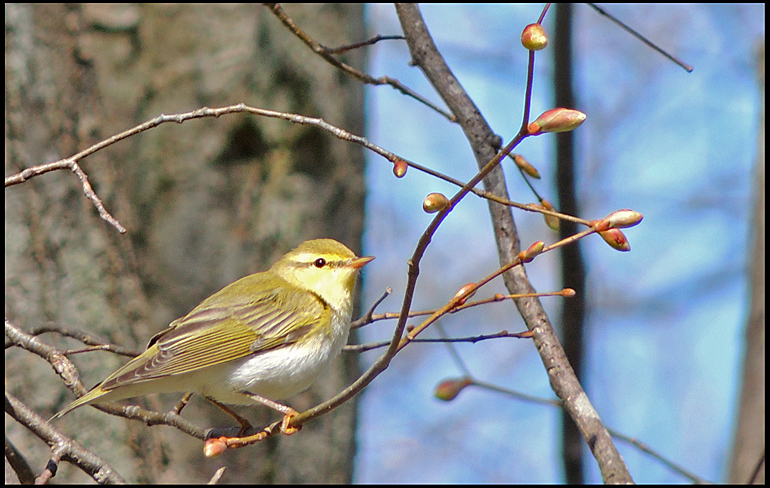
(556, 120)
(526, 166)
(531, 252)
(616, 239)
(435, 202)
(534, 37)
(399, 168)
(551, 221)
(448, 390)
(620, 219)
(462, 291)
(214, 447)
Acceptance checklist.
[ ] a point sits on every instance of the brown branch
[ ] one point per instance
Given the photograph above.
(62, 447)
(326, 54)
(371, 317)
(70, 163)
(86, 338)
(649, 43)
(369, 42)
(563, 381)
(442, 340)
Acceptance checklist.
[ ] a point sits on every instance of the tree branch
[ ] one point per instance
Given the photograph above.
(426, 56)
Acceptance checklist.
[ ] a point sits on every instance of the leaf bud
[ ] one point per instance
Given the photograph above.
(532, 251)
(399, 168)
(526, 166)
(435, 202)
(462, 291)
(214, 447)
(620, 219)
(448, 390)
(616, 239)
(551, 221)
(534, 37)
(556, 120)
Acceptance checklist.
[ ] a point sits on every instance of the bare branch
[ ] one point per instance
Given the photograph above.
(326, 54)
(631, 31)
(563, 379)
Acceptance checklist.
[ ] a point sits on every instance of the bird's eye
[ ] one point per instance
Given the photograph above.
(319, 263)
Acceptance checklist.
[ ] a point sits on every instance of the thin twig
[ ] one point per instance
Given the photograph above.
(367, 318)
(70, 163)
(498, 297)
(503, 334)
(356, 45)
(631, 31)
(359, 75)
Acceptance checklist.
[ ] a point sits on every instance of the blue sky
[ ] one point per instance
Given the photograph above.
(665, 320)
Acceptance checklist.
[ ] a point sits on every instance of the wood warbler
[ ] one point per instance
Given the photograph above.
(266, 336)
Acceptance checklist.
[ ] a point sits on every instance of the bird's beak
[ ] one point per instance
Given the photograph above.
(358, 263)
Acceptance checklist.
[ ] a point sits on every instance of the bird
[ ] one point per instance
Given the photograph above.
(262, 338)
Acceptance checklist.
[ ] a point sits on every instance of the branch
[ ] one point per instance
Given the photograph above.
(71, 163)
(326, 54)
(63, 448)
(651, 44)
(563, 380)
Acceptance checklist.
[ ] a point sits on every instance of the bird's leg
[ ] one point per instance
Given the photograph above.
(182, 403)
(215, 447)
(287, 412)
(245, 424)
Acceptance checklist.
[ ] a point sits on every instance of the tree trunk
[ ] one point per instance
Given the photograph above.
(205, 203)
(749, 443)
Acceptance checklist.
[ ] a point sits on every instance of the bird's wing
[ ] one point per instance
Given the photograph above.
(225, 328)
